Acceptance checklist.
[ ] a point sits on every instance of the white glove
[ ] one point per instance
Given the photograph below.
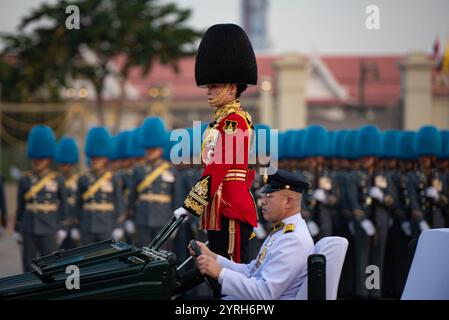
(319, 195)
(60, 236)
(376, 193)
(180, 212)
(117, 233)
(313, 228)
(406, 228)
(260, 232)
(431, 192)
(130, 228)
(17, 237)
(423, 225)
(368, 227)
(75, 234)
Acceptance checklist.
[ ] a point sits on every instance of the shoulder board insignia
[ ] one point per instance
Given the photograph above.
(289, 228)
(230, 126)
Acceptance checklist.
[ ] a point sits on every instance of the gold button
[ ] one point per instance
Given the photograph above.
(265, 178)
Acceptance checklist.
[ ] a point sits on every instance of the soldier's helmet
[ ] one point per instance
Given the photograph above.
(153, 133)
(316, 141)
(444, 144)
(406, 145)
(391, 146)
(368, 142)
(225, 55)
(290, 141)
(115, 151)
(338, 147)
(332, 141)
(349, 145)
(122, 142)
(41, 143)
(98, 142)
(296, 144)
(427, 141)
(66, 151)
(134, 148)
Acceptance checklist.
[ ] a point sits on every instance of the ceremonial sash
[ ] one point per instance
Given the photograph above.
(38, 186)
(94, 188)
(149, 179)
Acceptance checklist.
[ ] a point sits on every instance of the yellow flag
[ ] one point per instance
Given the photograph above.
(445, 67)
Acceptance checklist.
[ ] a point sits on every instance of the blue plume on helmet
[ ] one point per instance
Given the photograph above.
(338, 148)
(114, 155)
(316, 141)
(153, 133)
(41, 142)
(122, 144)
(444, 144)
(349, 145)
(135, 148)
(369, 142)
(298, 144)
(66, 151)
(406, 145)
(288, 144)
(428, 141)
(391, 148)
(98, 142)
(332, 140)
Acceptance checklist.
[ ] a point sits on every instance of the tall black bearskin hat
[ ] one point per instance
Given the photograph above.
(225, 55)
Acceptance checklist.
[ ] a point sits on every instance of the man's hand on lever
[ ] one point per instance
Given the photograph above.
(208, 266)
(203, 249)
(206, 260)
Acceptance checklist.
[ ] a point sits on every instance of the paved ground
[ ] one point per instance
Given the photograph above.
(10, 263)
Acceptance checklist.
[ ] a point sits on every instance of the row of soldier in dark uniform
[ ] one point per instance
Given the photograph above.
(129, 192)
(379, 190)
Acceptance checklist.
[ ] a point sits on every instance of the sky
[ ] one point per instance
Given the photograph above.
(318, 26)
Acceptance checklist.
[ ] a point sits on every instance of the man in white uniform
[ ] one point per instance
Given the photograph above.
(280, 268)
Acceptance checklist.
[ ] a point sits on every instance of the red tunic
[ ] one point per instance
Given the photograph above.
(223, 189)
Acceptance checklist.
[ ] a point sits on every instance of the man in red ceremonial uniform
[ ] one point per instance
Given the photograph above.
(225, 65)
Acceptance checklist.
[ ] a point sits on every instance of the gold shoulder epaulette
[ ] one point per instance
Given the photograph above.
(289, 228)
(245, 115)
(169, 163)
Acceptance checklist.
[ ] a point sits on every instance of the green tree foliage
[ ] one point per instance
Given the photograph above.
(47, 55)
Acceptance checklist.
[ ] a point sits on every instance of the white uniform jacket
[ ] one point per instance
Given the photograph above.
(279, 269)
